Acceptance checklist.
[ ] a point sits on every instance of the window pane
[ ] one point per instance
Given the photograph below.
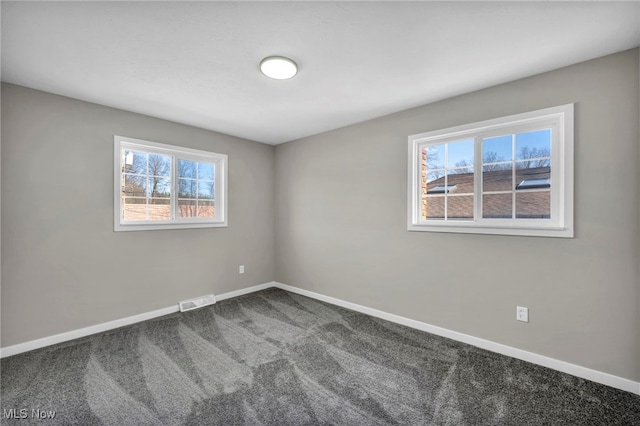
(187, 169)
(187, 208)
(497, 177)
(497, 149)
(533, 144)
(205, 190)
(187, 188)
(159, 165)
(435, 156)
(134, 208)
(437, 178)
(527, 170)
(159, 209)
(462, 181)
(134, 161)
(206, 171)
(205, 208)
(460, 208)
(159, 187)
(533, 205)
(460, 154)
(146, 209)
(435, 207)
(497, 206)
(134, 186)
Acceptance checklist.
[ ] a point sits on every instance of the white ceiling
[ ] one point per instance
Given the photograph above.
(197, 62)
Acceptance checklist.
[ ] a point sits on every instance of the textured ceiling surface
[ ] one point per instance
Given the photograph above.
(197, 62)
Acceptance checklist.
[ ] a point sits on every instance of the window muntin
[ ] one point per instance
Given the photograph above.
(512, 175)
(160, 186)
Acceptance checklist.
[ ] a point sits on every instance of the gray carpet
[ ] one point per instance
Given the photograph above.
(277, 358)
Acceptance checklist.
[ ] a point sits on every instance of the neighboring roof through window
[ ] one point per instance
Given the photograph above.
(441, 189)
(534, 183)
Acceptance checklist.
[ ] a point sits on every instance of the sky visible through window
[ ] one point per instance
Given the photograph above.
(528, 145)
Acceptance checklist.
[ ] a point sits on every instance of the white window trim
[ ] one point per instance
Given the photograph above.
(561, 174)
(221, 185)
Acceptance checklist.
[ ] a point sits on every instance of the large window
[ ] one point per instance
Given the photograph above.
(160, 186)
(512, 176)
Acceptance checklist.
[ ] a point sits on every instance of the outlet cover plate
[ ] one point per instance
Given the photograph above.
(522, 313)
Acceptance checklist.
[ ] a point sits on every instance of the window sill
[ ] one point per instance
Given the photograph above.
(159, 227)
(473, 228)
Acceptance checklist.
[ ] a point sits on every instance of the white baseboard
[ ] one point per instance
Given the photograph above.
(110, 325)
(244, 291)
(565, 367)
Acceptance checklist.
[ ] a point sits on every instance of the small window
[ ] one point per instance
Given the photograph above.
(509, 176)
(160, 186)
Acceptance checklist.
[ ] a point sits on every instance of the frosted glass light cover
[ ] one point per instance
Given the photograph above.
(278, 67)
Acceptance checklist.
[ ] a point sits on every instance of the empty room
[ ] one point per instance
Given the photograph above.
(320, 213)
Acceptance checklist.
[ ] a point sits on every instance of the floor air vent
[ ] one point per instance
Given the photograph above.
(198, 302)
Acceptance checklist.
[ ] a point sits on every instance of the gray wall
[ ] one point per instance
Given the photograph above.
(63, 266)
(340, 204)
(341, 225)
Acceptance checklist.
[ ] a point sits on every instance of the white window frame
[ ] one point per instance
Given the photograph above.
(559, 119)
(175, 152)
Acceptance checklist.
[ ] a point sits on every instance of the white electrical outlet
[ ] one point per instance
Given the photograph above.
(242, 269)
(522, 313)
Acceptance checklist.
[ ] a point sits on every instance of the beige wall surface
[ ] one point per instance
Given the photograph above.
(341, 230)
(63, 266)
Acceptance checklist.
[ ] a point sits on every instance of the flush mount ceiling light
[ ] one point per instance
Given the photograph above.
(278, 67)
